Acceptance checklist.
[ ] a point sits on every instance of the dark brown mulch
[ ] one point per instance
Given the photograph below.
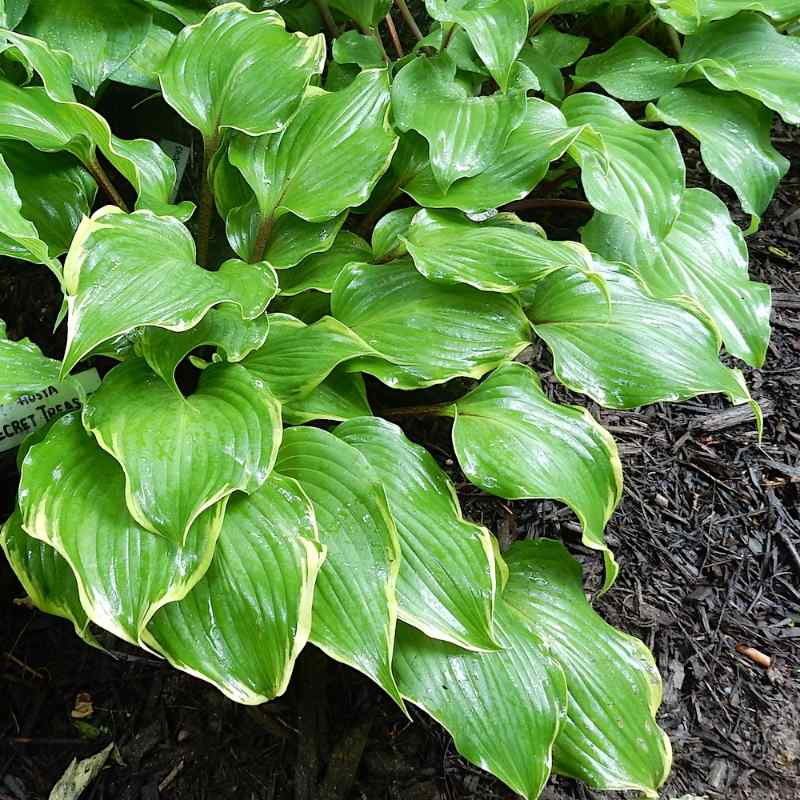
(707, 535)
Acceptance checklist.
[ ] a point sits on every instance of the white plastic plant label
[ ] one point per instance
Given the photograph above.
(179, 153)
(31, 411)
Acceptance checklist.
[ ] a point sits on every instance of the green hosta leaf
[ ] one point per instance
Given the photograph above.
(631, 70)
(746, 54)
(328, 159)
(503, 254)
(285, 240)
(49, 119)
(45, 576)
(353, 47)
(355, 606)
(734, 134)
(124, 572)
(298, 357)
(388, 233)
(561, 49)
(628, 349)
(222, 438)
(446, 585)
(339, 76)
(689, 15)
(293, 239)
(100, 37)
(127, 270)
(367, 13)
(245, 622)
(546, 53)
(309, 306)
(222, 327)
(142, 68)
(54, 66)
(55, 191)
(410, 157)
(459, 48)
(11, 12)
(32, 115)
(703, 257)
(497, 30)
(320, 270)
(23, 368)
(342, 395)
(18, 235)
(503, 709)
(513, 442)
(626, 169)
(426, 333)
(210, 78)
(427, 97)
(189, 12)
(609, 738)
(541, 137)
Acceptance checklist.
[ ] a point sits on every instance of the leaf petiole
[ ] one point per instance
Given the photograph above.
(408, 18)
(206, 204)
(105, 183)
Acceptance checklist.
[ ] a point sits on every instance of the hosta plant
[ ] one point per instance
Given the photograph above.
(239, 484)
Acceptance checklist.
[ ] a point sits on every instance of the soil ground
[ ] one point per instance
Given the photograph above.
(707, 536)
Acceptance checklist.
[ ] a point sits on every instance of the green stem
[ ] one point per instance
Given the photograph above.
(674, 40)
(373, 32)
(377, 212)
(408, 18)
(398, 47)
(327, 17)
(433, 410)
(642, 25)
(548, 202)
(539, 21)
(448, 36)
(104, 182)
(205, 210)
(262, 239)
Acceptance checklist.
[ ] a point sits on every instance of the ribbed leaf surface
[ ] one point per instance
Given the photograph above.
(100, 37)
(128, 270)
(23, 368)
(194, 451)
(355, 605)
(626, 169)
(446, 585)
(45, 576)
(426, 333)
(465, 133)
(245, 622)
(703, 257)
(734, 134)
(503, 709)
(513, 442)
(124, 572)
(502, 254)
(210, 80)
(497, 30)
(542, 136)
(297, 357)
(629, 349)
(328, 159)
(746, 54)
(609, 738)
(223, 327)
